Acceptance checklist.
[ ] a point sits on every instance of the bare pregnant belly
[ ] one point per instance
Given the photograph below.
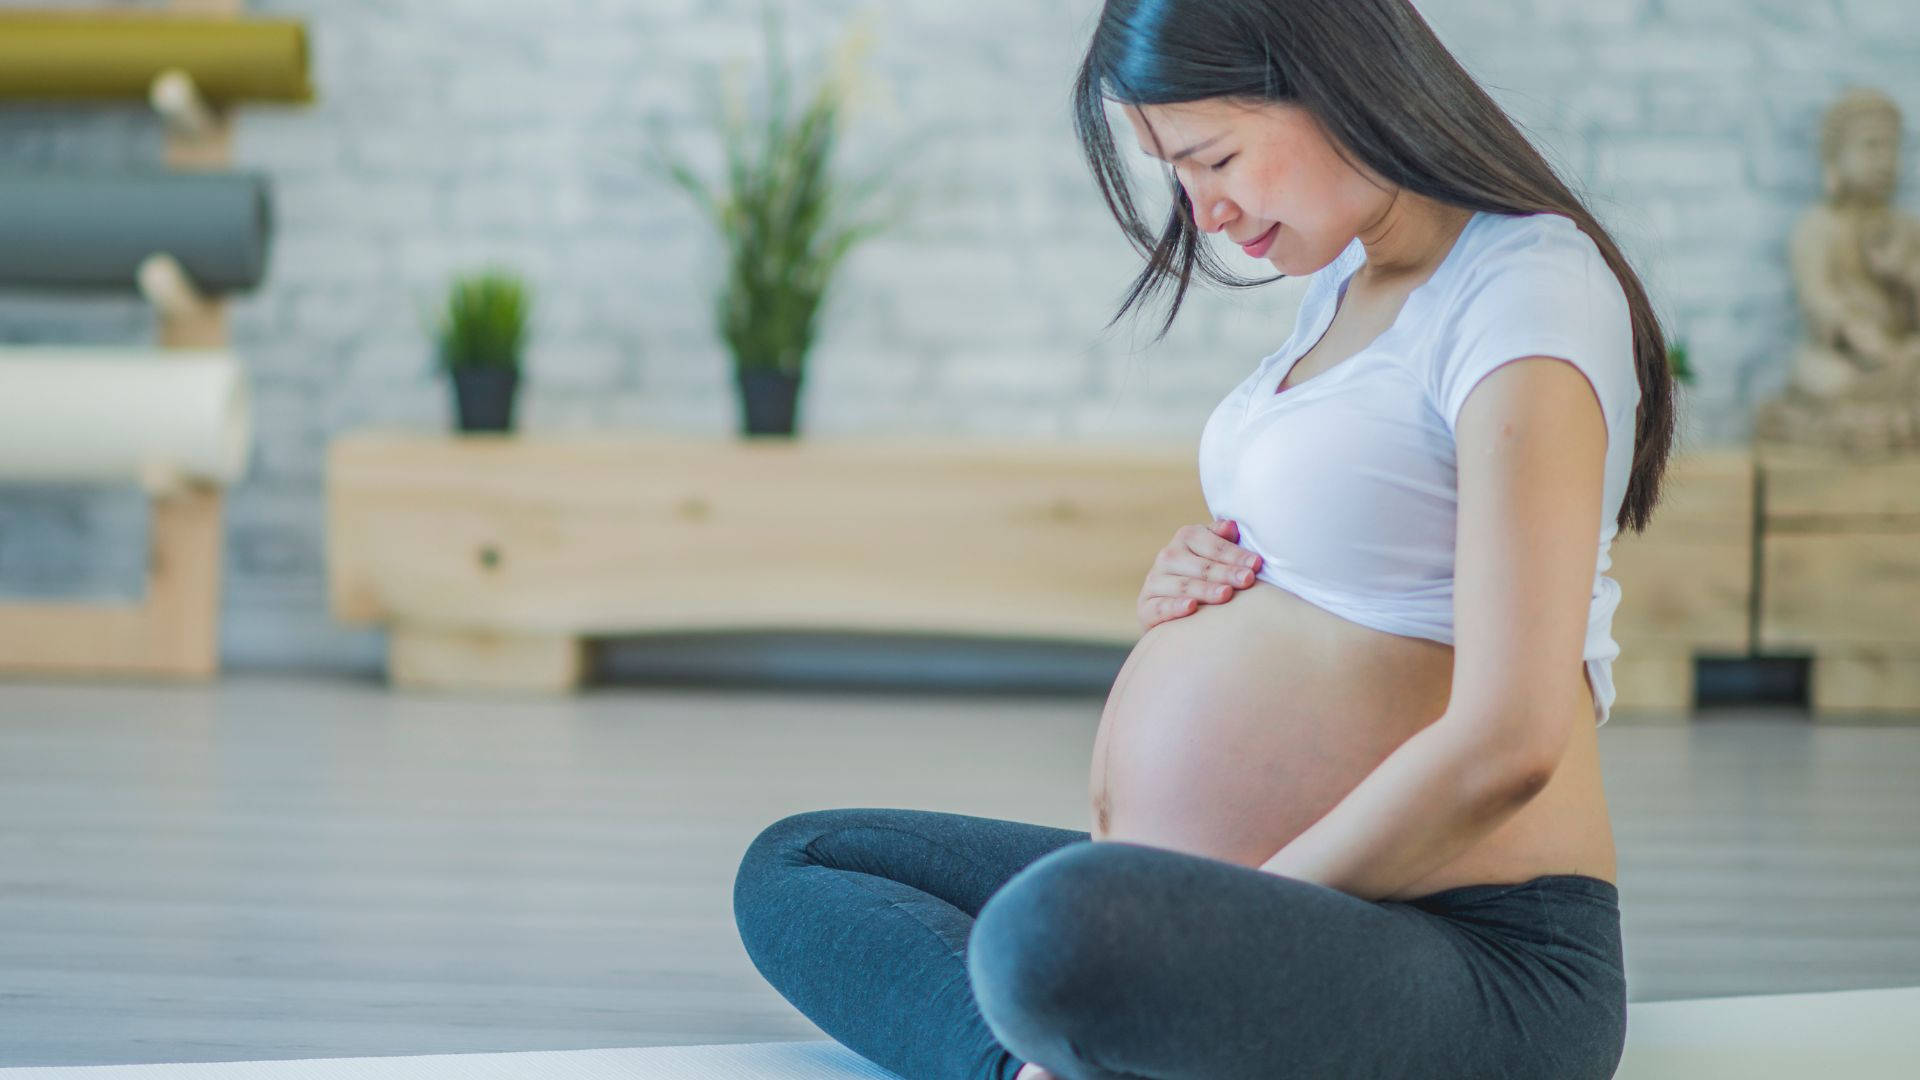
(1230, 731)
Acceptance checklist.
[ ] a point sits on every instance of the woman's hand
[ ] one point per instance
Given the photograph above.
(1203, 564)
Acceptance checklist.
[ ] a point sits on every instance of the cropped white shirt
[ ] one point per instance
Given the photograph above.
(1345, 484)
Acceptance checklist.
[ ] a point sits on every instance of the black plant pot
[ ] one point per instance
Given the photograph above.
(767, 400)
(485, 397)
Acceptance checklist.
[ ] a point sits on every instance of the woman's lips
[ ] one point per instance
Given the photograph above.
(1261, 243)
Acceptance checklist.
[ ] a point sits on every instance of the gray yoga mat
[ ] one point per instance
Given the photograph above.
(91, 230)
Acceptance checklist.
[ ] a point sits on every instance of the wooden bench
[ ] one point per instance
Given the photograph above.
(494, 559)
(1686, 584)
(1840, 555)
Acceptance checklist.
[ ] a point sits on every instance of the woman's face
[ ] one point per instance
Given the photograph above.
(1261, 168)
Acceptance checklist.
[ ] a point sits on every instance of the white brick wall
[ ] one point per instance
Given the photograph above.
(449, 133)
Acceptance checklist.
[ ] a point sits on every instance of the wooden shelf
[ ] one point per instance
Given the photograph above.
(492, 557)
(192, 63)
(1686, 584)
(1840, 549)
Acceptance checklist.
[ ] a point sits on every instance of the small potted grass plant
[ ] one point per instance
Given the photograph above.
(1677, 360)
(1683, 378)
(785, 221)
(481, 331)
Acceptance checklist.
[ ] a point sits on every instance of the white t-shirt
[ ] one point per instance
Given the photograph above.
(1345, 484)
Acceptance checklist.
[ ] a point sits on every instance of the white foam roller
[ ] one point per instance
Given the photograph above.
(106, 415)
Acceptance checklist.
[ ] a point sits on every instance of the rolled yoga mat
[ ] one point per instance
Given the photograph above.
(103, 416)
(92, 230)
(57, 56)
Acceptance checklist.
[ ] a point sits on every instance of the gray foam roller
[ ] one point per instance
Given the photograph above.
(91, 230)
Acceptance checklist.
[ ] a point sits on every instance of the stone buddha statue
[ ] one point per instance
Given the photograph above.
(1855, 259)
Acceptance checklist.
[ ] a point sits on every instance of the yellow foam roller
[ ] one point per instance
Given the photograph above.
(54, 56)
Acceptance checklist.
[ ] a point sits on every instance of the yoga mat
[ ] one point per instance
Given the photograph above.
(61, 56)
(102, 416)
(91, 230)
(1850, 1034)
(821, 1059)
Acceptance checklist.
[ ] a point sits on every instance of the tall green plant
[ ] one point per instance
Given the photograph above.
(787, 220)
(484, 321)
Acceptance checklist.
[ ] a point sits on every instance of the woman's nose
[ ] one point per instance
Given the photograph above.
(1213, 218)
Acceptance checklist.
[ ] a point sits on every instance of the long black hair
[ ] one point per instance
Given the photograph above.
(1378, 81)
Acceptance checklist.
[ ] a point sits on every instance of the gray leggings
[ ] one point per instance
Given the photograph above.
(950, 947)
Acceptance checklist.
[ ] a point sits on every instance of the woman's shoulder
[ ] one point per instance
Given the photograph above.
(1507, 237)
(1533, 257)
(1529, 233)
(1534, 284)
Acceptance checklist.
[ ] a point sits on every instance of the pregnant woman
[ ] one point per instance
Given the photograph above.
(1346, 804)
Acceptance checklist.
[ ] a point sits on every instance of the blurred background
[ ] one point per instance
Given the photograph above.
(372, 813)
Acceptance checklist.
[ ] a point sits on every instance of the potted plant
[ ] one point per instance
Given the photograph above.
(480, 333)
(785, 220)
(1677, 360)
(1683, 379)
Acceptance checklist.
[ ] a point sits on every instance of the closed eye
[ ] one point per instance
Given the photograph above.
(1223, 162)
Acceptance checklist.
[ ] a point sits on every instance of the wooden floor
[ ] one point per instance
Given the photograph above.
(280, 868)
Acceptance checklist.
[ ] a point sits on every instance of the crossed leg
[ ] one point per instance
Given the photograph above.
(1121, 961)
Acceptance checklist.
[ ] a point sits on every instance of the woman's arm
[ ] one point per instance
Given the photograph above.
(1432, 799)
(1532, 464)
